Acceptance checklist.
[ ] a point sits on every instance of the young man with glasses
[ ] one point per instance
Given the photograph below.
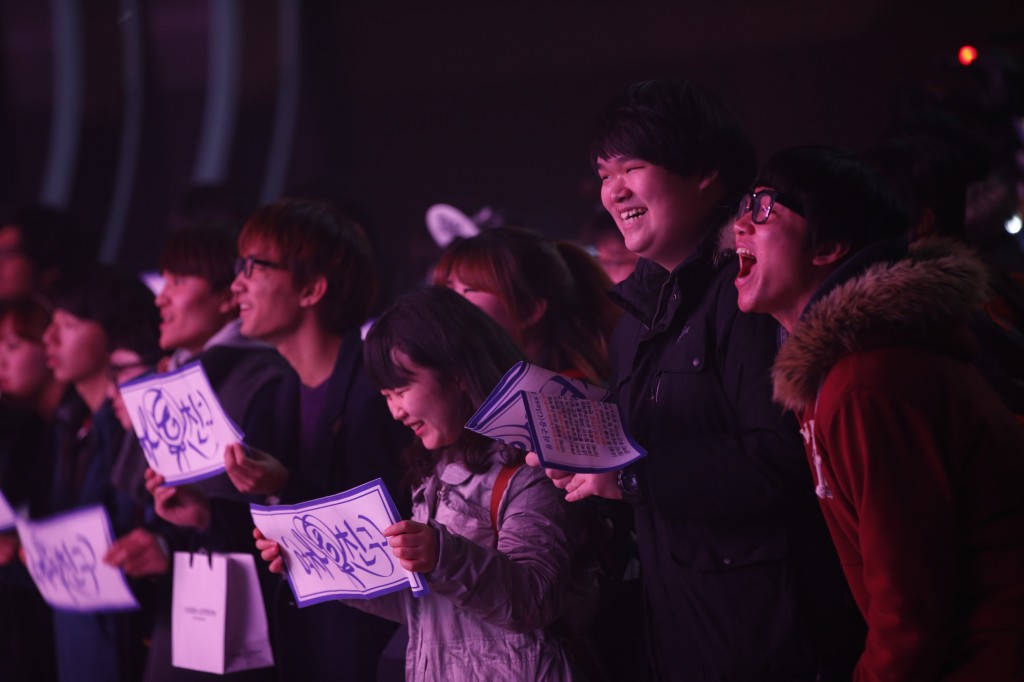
(917, 464)
(739, 577)
(305, 283)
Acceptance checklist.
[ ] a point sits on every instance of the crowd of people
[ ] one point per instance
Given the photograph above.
(826, 375)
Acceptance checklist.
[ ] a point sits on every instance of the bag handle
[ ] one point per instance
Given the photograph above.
(500, 486)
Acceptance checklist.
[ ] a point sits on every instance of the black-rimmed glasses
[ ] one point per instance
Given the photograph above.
(244, 265)
(761, 203)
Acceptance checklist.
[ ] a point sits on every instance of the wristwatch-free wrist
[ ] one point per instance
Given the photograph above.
(629, 483)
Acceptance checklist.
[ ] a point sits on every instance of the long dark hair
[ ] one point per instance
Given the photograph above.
(443, 332)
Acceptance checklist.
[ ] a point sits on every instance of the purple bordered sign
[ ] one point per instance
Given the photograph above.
(333, 547)
(64, 555)
(180, 423)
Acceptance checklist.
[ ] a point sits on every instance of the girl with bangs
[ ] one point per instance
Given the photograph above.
(493, 539)
(550, 296)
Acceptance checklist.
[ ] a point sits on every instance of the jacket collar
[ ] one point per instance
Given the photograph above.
(646, 293)
(873, 301)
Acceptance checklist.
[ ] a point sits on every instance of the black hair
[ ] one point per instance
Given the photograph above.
(52, 240)
(206, 251)
(441, 331)
(840, 196)
(680, 126)
(119, 302)
(926, 173)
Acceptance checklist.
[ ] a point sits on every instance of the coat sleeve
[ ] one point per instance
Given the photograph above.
(755, 465)
(523, 584)
(891, 483)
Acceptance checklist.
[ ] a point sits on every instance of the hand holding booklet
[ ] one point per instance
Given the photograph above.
(567, 422)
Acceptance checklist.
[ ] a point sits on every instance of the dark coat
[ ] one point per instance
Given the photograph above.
(740, 578)
(356, 441)
(105, 647)
(252, 385)
(921, 467)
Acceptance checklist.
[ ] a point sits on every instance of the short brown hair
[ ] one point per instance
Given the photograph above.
(314, 239)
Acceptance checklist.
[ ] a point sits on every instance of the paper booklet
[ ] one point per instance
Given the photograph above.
(567, 422)
(333, 547)
(180, 423)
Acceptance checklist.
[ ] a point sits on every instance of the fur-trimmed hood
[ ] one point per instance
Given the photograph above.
(936, 286)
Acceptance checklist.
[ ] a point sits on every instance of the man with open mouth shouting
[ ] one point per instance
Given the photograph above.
(739, 579)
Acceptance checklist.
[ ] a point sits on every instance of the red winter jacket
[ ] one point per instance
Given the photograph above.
(918, 466)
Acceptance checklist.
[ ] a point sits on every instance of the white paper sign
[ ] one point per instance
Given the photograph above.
(565, 421)
(6, 514)
(64, 555)
(333, 547)
(180, 423)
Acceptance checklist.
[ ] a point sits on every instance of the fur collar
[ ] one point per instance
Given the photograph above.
(937, 285)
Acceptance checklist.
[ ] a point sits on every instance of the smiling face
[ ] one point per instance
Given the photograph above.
(190, 312)
(76, 349)
(662, 216)
(427, 405)
(268, 301)
(779, 272)
(490, 303)
(23, 370)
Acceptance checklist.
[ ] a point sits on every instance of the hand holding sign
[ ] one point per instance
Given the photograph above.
(181, 506)
(334, 547)
(180, 423)
(63, 555)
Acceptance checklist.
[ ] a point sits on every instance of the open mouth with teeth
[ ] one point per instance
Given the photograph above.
(632, 215)
(747, 262)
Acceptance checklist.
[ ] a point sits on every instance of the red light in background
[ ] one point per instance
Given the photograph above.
(967, 55)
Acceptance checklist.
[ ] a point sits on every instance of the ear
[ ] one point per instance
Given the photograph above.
(708, 179)
(829, 253)
(925, 225)
(227, 304)
(313, 291)
(540, 306)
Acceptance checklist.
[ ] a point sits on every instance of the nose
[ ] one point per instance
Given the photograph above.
(395, 407)
(743, 225)
(617, 188)
(49, 335)
(238, 283)
(161, 299)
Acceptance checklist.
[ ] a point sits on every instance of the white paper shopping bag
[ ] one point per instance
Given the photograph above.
(218, 623)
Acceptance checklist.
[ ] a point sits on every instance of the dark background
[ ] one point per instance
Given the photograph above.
(401, 105)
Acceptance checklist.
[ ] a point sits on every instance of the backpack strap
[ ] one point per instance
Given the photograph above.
(500, 486)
